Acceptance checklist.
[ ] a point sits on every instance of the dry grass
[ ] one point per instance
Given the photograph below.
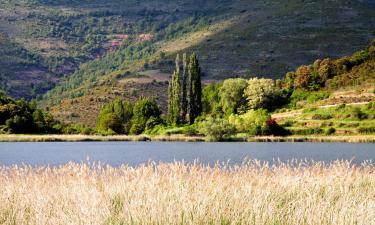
(183, 138)
(316, 138)
(80, 138)
(177, 193)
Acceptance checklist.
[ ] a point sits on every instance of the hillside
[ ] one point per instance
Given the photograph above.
(233, 38)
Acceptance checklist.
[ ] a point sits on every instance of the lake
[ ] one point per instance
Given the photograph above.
(135, 153)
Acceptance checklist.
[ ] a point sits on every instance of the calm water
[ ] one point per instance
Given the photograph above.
(134, 153)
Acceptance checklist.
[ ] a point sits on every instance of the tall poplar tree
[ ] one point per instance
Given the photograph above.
(174, 95)
(184, 100)
(195, 89)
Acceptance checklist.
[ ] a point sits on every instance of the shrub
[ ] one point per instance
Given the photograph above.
(322, 117)
(310, 97)
(366, 130)
(307, 131)
(217, 129)
(273, 128)
(76, 129)
(257, 122)
(253, 122)
(329, 131)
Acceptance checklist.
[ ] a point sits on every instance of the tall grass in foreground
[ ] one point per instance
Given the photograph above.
(178, 193)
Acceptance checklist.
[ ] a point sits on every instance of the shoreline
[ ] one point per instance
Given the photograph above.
(182, 138)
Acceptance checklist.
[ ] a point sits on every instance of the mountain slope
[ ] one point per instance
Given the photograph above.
(260, 37)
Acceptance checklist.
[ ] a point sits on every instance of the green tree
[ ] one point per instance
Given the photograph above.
(174, 102)
(195, 89)
(109, 124)
(184, 101)
(211, 100)
(232, 96)
(260, 93)
(115, 117)
(143, 110)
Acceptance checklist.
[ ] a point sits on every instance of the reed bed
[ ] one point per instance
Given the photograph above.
(179, 193)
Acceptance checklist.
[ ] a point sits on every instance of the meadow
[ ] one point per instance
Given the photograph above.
(179, 193)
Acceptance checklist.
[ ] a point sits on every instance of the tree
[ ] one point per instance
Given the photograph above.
(184, 101)
(115, 117)
(211, 100)
(260, 93)
(143, 110)
(195, 89)
(217, 129)
(232, 96)
(109, 124)
(303, 74)
(174, 93)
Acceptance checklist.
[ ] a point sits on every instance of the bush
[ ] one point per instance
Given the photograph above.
(322, 117)
(76, 129)
(310, 97)
(217, 129)
(366, 130)
(253, 122)
(329, 131)
(307, 131)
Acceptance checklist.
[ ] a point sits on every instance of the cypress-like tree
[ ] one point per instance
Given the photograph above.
(184, 101)
(195, 89)
(174, 101)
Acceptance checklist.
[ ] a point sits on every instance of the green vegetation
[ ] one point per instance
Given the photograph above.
(22, 117)
(185, 92)
(121, 117)
(115, 118)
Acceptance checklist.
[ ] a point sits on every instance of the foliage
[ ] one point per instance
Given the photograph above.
(77, 129)
(115, 118)
(366, 130)
(327, 73)
(211, 100)
(232, 97)
(253, 122)
(24, 117)
(260, 93)
(175, 95)
(143, 110)
(217, 129)
(195, 89)
(299, 96)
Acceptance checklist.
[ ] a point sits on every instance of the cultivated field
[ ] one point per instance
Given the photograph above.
(177, 193)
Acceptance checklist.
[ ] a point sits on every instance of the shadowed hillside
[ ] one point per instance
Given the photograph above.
(232, 38)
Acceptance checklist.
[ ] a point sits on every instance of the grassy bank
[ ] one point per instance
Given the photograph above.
(189, 194)
(183, 138)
